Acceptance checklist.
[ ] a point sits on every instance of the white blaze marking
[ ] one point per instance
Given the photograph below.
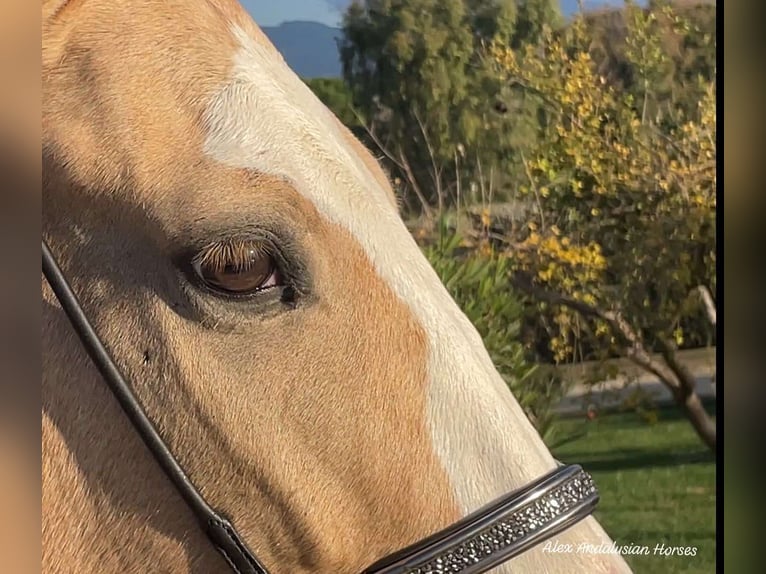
(267, 119)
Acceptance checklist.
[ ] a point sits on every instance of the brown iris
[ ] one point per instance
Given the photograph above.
(236, 266)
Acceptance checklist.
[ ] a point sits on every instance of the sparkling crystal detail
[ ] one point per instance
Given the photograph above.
(511, 528)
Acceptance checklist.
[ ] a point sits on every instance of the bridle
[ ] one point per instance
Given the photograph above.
(484, 539)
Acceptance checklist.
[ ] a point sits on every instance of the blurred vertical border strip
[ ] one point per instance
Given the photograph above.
(20, 360)
(742, 298)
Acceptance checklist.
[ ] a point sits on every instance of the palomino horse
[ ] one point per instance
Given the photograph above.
(242, 257)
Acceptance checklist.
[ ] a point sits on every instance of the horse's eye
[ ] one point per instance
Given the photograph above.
(237, 267)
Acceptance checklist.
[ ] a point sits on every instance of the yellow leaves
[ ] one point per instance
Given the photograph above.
(576, 186)
(485, 249)
(706, 202)
(622, 150)
(603, 169)
(571, 88)
(588, 298)
(560, 347)
(485, 217)
(678, 336)
(556, 259)
(546, 274)
(504, 58)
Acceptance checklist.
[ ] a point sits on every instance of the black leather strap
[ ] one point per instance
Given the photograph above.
(220, 531)
(475, 544)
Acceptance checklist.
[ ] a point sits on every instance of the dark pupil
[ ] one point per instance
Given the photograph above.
(240, 277)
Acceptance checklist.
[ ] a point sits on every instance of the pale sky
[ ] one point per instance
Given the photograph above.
(274, 12)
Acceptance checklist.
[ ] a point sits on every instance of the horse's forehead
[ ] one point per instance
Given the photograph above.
(265, 119)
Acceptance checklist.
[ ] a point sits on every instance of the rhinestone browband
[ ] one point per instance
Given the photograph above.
(503, 529)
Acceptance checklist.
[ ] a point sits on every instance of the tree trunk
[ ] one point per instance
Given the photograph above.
(684, 391)
(700, 420)
(671, 372)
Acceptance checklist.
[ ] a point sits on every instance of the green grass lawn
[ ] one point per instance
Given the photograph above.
(657, 484)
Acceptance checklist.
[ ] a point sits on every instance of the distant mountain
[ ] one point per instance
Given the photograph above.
(309, 48)
(568, 7)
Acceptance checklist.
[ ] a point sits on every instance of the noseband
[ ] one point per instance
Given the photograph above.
(480, 541)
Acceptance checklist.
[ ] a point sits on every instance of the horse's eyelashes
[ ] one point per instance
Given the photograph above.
(240, 254)
(237, 267)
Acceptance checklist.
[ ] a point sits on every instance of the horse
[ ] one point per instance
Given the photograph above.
(243, 258)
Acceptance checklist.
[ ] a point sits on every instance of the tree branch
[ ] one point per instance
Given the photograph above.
(400, 162)
(377, 141)
(414, 184)
(435, 171)
(707, 301)
(634, 346)
(674, 374)
(535, 190)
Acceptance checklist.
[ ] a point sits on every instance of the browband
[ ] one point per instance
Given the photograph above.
(502, 529)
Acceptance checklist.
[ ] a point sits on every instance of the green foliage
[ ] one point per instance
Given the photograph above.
(605, 139)
(671, 47)
(416, 72)
(626, 201)
(409, 58)
(533, 16)
(478, 281)
(491, 19)
(336, 95)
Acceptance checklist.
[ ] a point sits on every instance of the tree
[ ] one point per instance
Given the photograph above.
(621, 243)
(406, 62)
(416, 73)
(532, 17)
(683, 38)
